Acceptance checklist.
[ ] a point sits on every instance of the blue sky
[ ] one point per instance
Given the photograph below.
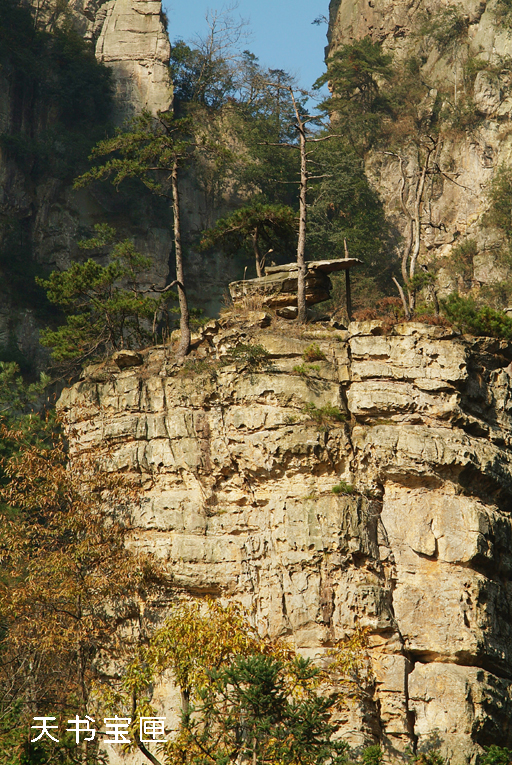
(282, 35)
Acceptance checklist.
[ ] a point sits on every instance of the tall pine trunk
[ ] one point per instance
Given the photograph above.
(184, 344)
(257, 254)
(301, 242)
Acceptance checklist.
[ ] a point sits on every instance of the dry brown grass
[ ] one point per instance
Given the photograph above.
(243, 311)
(247, 303)
(436, 321)
(390, 312)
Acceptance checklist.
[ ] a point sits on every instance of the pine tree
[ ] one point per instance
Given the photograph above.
(250, 227)
(105, 308)
(152, 150)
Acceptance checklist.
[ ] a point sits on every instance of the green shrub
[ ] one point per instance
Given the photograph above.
(448, 28)
(481, 321)
(431, 757)
(503, 11)
(496, 755)
(16, 396)
(195, 367)
(459, 264)
(500, 198)
(472, 66)
(475, 64)
(313, 353)
(324, 414)
(345, 488)
(463, 115)
(304, 370)
(372, 755)
(252, 356)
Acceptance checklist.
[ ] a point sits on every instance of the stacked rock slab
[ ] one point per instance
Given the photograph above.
(278, 287)
(237, 503)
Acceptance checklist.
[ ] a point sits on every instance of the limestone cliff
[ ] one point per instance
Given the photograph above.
(237, 462)
(470, 154)
(130, 37)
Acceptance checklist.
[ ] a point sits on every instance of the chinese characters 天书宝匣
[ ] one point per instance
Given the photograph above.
(151, 729)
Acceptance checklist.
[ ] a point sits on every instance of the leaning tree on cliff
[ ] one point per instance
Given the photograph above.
(252, 226)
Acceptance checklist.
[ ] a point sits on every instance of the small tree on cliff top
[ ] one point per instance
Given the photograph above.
(152, 151)
(274, 225)
(301, 124)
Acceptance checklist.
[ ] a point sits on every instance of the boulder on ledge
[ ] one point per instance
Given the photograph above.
(278, 287)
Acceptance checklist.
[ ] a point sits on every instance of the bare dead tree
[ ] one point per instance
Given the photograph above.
(184, 345)
(303, 188)
(412, 205)
(302, 122)
(221, 45)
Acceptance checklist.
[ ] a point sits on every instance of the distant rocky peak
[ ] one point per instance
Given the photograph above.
(131, 38)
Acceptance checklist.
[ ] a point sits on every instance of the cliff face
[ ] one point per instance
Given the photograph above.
(38, 201)
(129, 37)
(237, 475)
(470, 154)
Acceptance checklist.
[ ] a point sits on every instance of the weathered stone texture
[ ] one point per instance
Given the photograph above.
(468, 156)
(133, 41)
(130, 37)
(237, 502)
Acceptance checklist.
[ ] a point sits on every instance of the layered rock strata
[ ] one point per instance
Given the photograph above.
(237, 460)
(278, 287)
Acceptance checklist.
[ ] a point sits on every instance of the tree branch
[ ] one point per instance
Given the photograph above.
(402, 297)
(271, 143)
(325, 138)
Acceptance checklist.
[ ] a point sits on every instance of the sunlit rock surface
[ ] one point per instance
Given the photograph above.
(237, 502)
(131, 38)
(469, 153)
